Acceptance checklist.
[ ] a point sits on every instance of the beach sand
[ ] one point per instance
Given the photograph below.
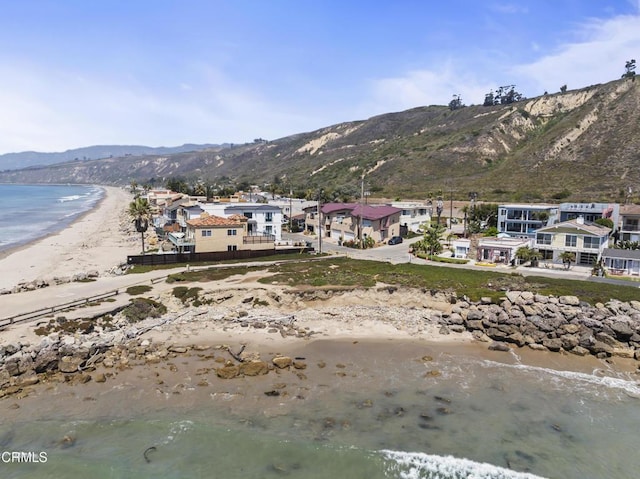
(94, 241)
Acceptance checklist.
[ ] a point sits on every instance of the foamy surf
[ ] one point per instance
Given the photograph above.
(631, 388)
(64, 199)
(417, 465)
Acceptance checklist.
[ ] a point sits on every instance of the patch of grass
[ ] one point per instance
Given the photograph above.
(442, 259)
(143, 308)
(138, 289)
(186, 294)
(464, 282)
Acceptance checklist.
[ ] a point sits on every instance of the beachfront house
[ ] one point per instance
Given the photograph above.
(630, 223)
(586, 240)
(621, 261)
(354, 221)
(210, 233)
(589, 211)
(461, 248)
(501, 250)
(263, 220)
(523, 220)
(413, 215)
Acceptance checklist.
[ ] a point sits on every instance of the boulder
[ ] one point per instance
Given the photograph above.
(228, 372)
(569, 341)
(46, 360)
(254, 368)
(282, 362)
(552, 344)
(569, 300)
(69, 364)
(622, 330)
(498, 346)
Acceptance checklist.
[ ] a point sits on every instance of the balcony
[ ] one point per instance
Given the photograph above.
(258, 239)
(630, 227)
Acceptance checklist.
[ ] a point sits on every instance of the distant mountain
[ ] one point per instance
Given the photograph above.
(12, 161)
(580, 145)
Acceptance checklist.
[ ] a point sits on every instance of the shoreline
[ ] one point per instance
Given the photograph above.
(92, 241)
(4, 253)
(193, 354)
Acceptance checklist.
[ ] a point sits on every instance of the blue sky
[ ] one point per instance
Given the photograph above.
(76, 73)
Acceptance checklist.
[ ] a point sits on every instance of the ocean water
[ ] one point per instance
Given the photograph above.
(33, 211)
(476, 418)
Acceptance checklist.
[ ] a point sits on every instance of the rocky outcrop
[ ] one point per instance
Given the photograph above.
(561, 323)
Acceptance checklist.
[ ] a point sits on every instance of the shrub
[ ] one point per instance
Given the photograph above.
(138, 289)
(143, 308)
(185, 294)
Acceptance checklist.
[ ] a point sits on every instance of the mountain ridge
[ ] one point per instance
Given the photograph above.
(578, 145)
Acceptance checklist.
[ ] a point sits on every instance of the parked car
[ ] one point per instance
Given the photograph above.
(395, 240)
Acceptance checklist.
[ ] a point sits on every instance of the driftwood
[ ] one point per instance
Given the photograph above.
(236, 356)
(147, 451)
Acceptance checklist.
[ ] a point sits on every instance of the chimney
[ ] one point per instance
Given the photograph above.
(580, 220)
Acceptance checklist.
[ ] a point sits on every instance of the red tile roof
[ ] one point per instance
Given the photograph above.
(212, 221)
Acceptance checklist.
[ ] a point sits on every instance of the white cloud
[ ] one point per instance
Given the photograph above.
(50, 110)
(424, 87)
(599, 57)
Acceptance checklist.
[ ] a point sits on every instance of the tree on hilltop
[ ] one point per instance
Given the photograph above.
(630, 70)
(456, 103)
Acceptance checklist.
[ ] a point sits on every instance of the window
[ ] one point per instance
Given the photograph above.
(232, 232)
(248, 215)
(571, 241)
(591, 242)
(543, 238)
(268, 217)
(206, 233)
(269, 229)
(232, 247)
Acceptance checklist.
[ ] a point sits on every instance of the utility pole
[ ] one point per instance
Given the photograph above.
(320, 221)
(361, 212)
(290, 209)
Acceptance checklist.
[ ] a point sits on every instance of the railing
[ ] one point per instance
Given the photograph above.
(257, 239)
(22, 317)
(630, 227)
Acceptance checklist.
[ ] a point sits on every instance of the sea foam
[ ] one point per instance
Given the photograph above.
(416, 465)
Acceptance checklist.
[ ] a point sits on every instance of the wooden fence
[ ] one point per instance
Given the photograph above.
(174, 258)
(39, 313)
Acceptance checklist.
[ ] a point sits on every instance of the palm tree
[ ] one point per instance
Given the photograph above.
(430, 243)
(523, 254)
(140, 211)
(567, 258)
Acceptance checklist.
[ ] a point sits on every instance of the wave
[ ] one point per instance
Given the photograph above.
(64, 199)
(417, 465)
(631, 388)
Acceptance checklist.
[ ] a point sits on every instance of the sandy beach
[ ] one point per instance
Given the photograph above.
(93, 242)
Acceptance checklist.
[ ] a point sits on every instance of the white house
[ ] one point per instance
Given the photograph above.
(622, 261)
(291, 206)
(413, 214)
(586, 240)
(522, 221)
(630, 223)
(263, 219)
(501, 250)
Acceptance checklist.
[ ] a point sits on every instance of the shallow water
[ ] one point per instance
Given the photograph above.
(385, 414)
